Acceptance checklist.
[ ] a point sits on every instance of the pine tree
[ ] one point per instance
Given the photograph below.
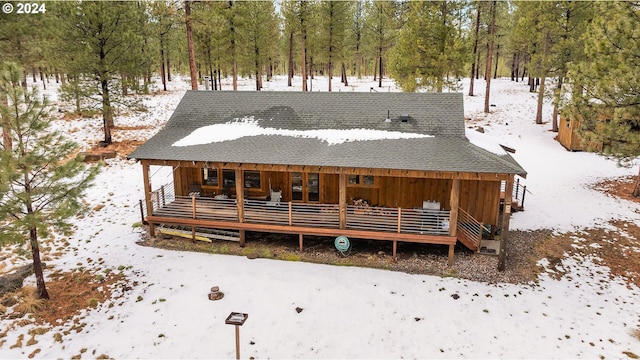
(607, 83)
(192, 56)
(381, 32)
(43, 181)
(299, 20)
(110, 33)
(334, 22)
(430, 47)
(262, 30)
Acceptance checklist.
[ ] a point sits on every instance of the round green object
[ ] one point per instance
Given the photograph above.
(342, 243)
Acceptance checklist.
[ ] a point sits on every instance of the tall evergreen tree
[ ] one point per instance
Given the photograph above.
(165, 19)
(487, 73)
(190, 45)
(299, 20)
(607, 81)
(356, 36)
(262, 31)
(381, 31)
(43, 181)
(430, 51)
(334, 21)
(476, 39)
(110, 33)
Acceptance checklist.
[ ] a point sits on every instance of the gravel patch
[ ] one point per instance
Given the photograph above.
(411, 258)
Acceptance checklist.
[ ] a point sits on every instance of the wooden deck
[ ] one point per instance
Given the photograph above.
(376, 223)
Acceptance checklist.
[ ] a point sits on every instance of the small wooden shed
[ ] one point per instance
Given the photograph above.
(387, 166)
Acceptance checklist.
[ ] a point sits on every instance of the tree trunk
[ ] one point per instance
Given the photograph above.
(556, 105)
(514, 68)
(7, 141)
(44, 86)
(330, 72)
(192, 53)
(162, 70)
(344, 75)
(475, 50)
(37, 265)
(478, 66)
(492, 27)
(304, 62)
(532, 84)
(123, 84)
(257, 67)
(380, 68)
(168, 67)
(107, 113)
(495, 70)
(540, 101)
(290, 70)
(636, 189)
(210, 68)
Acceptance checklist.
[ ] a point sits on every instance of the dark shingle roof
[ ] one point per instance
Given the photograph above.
(438, 114)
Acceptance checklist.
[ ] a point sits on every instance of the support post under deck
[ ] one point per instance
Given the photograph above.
(147, 194)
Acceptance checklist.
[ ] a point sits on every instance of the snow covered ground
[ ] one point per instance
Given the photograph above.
(350, 312)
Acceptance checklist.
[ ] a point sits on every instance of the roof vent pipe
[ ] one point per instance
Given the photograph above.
(388, 119)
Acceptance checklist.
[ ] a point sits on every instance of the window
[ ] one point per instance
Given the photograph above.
(313, 186)
(367, 180)
(210, 177)
(228, 178)
(361, 180)
(252, 179)
(296, 186)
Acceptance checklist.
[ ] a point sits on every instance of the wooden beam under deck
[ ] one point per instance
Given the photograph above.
(301, 230)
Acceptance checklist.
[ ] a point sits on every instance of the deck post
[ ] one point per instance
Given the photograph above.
(147, 194)
(342, 193)
(399, 223)
(506, 217)
(300, 236)
(240, 194)
(241, 237)
(395, 249)
(451, 251)
(454, 203)
(290, 213)
(193, 206)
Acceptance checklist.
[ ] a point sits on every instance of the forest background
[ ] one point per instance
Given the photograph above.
(584, 55)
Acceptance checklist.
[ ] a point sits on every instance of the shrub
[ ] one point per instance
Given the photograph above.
(29, 301)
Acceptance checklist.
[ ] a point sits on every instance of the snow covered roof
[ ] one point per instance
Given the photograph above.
(408, 131)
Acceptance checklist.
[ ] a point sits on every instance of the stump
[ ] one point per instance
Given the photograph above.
(215, 293)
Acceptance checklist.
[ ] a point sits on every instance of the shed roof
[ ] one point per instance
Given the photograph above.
(438, 115)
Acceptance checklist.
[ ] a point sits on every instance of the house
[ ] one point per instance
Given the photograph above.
(385, 166)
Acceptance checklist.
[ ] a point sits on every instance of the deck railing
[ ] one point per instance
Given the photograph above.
(398, 220)
(519, 192)
(415, 221)
(471, 229)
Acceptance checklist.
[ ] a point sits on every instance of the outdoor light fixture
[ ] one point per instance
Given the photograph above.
(237, 319)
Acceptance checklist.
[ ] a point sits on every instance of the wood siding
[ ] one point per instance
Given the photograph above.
(568, 134)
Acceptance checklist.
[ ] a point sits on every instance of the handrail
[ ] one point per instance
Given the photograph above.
(519, 192)
(412, 221)
(470, 228)
(398, 220)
